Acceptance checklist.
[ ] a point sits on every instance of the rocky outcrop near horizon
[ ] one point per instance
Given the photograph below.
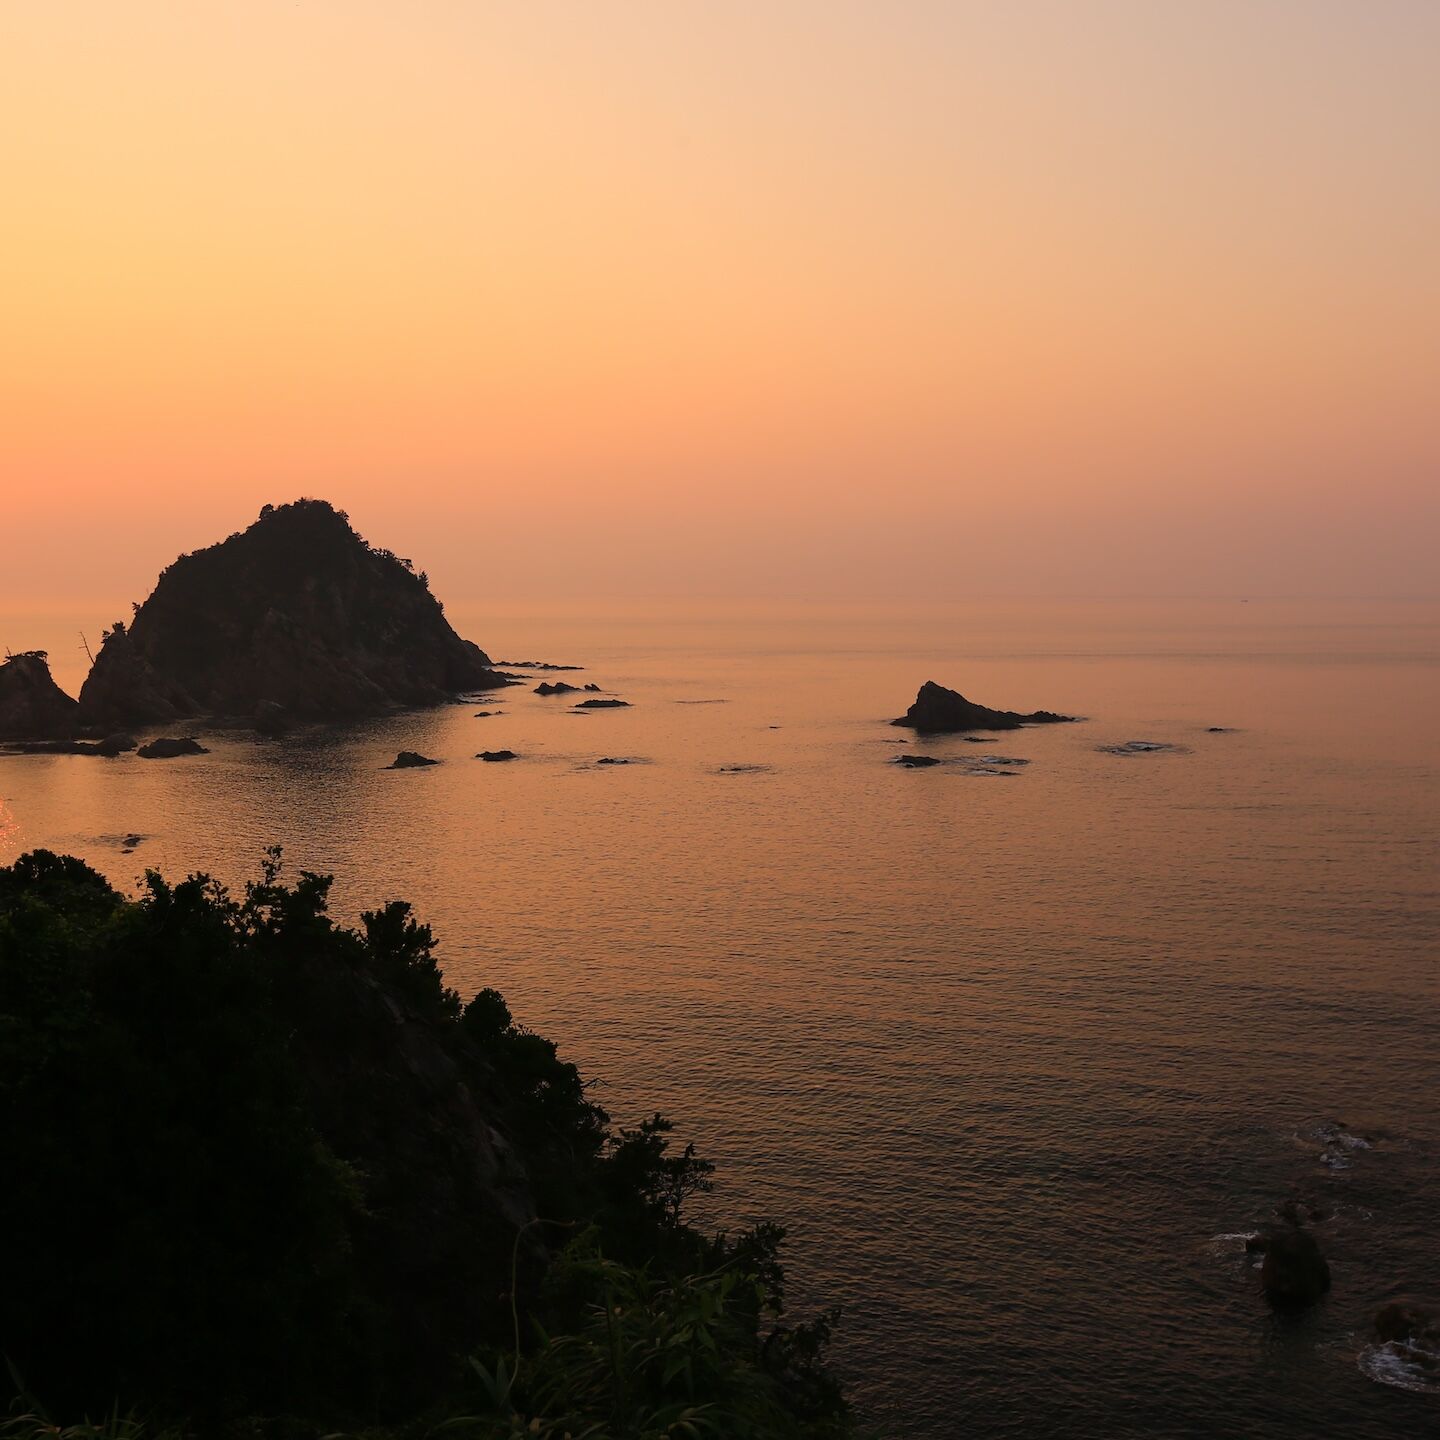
(293, 619)
(939, 711)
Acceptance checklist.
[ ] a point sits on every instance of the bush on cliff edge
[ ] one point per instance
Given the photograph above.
(258, 1163)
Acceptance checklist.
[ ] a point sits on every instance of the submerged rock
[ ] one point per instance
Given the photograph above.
(296, 612)
(32, 705)
(410, 760)
(915, 762)
(602, 705)
(167, 747)
(937, 711)
(494, 755)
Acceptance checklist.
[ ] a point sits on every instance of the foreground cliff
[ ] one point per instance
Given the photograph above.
(264, 1165)
(296, 618)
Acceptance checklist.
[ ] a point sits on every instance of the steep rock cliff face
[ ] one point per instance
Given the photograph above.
(32, 705)
(297, 612)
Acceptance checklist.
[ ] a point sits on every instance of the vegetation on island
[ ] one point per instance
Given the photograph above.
(266, 1175)
(295, 619)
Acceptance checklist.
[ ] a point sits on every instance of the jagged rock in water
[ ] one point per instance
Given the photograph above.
(410, 760)
(32, 705)
(297, 612)
(937, 710)
(559, 687)
(915, 762)
(494, 755)
(602, 705)
(1415, 1326)
(168, 747)
(1295, 1273)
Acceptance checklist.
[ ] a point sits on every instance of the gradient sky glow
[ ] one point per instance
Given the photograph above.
(790, 297)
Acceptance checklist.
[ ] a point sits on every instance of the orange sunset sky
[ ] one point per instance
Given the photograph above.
(792, 297)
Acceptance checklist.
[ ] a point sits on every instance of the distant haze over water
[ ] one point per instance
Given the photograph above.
(1017, 1050)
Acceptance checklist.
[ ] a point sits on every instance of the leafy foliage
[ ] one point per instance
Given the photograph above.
(261, 1163)
(653, 1356)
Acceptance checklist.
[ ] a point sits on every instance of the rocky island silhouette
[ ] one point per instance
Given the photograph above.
(939, 711)
(294, 619)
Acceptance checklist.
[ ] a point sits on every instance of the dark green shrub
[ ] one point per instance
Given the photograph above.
(257, 1163)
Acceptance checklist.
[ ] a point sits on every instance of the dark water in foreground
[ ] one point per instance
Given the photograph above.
(1013, 1053)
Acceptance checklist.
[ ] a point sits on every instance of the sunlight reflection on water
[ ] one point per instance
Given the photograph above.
(1007, 1058)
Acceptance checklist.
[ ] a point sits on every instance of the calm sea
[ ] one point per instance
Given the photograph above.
(1018, 1051)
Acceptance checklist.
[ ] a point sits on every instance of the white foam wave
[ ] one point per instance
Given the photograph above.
(1406, 1366)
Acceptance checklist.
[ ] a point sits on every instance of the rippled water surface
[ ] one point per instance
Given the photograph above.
(1020, 1052)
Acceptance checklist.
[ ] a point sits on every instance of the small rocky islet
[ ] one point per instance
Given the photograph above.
(32, 706)
(170, 747)
(1294, 1273)
(941, 711)
(411, 760)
